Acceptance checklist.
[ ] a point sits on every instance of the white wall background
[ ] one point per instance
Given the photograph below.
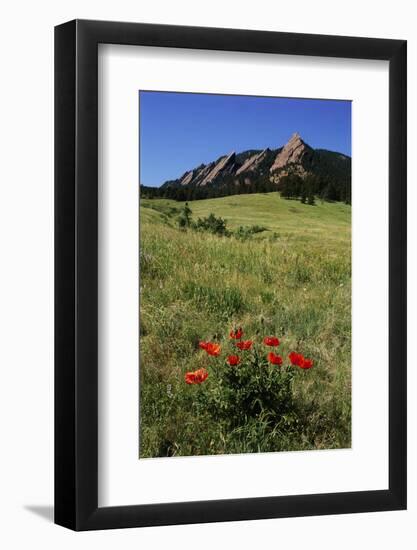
(26, 272)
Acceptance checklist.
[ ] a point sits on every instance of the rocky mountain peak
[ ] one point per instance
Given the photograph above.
(262, 169)
(292, 152)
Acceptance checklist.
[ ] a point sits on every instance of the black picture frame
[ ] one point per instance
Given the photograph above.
(76, 272)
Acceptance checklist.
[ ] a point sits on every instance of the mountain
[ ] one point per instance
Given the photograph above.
(293, 153)
(296, 169)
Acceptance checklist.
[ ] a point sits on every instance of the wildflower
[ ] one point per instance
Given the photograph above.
(190, 377)
(295, 358)
(271, 341)
(196, 377)
(299, 360)
(203, 345)
(245, 345)
(307, 364)
(212, 349)
(274, 359)
(233, 360)
(236, 335)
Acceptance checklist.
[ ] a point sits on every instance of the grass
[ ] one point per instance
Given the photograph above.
(291, 280)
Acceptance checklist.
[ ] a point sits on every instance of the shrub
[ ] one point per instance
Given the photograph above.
(184, 219)
(212, 224)
(246, 232)
(311, 200)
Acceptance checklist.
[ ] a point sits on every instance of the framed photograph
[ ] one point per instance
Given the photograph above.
(230, 252)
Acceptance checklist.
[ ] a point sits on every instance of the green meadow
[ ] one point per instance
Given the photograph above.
(291, 279)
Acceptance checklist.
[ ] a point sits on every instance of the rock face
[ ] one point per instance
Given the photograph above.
(224, 165)
(187, 178)
(202, 172)
(292, 153)
(252, 163)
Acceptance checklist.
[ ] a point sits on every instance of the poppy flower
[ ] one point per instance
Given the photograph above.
(212, 349)
(274, 359)
(307, 364)
(299, 360)
(271, 341)
(236, 335)
(190, 378)
(296, 358)
(196, 377)
(202, 345)
(245, 345)
(233, 360)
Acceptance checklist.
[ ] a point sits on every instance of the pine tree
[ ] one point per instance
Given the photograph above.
(184, 219)
(187, 213)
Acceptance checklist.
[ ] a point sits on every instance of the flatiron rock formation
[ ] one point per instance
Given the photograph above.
(292, 153)
(264, 171)
(224, 165)
(252, 162)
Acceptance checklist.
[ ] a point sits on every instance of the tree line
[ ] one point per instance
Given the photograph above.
(292, 186)
(307, 188)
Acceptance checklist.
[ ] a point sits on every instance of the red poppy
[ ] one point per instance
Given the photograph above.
(203, 345)
(274, 359)
(245, 345)
(236, 335)
(233, 360)
(299, 360)
(307, 364)
(271, 341)
(213, 349)
(190, 377)
(196, 377)
(296, 358)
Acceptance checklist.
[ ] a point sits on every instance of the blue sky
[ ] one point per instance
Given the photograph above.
(179, 131)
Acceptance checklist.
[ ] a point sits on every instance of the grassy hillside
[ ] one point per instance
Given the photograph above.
(324, 220)
(291, 280)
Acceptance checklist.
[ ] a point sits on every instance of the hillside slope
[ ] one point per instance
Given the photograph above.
(330, 221)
